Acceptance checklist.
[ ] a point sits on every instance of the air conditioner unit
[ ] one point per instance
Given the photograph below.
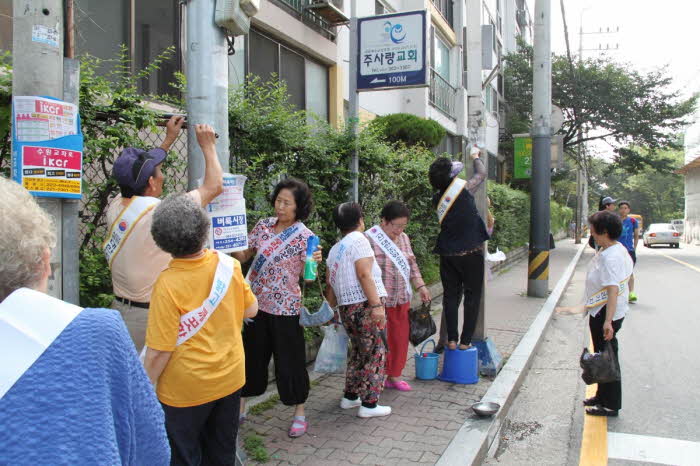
(250, 7)
(230, 15)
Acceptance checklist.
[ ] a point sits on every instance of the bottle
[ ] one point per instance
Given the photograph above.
(310, 266)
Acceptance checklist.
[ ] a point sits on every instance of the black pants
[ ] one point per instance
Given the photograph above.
(608, 395)
(204, 434)
(280, 337)
(462, 276)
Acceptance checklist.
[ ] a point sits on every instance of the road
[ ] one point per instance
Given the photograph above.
(659, 344)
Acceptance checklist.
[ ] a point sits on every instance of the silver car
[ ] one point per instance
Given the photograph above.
(662, 233)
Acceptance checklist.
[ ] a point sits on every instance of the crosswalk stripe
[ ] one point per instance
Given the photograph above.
(652, 449)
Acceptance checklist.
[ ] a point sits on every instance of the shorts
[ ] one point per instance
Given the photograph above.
(633, 255)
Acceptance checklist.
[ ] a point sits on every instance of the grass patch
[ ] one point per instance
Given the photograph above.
(254, 445)
(264, 406)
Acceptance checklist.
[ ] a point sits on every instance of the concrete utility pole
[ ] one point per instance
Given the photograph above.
(538, 266)
(207, 86)
(37, 70)
(354, 103)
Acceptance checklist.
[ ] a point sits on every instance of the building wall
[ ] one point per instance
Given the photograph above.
(691, 232)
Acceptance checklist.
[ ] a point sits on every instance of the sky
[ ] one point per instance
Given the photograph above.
(652, 34)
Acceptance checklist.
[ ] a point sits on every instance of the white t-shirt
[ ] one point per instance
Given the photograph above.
(341, 268)
(611, 266)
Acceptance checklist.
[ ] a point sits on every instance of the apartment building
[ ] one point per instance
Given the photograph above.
(691, 172)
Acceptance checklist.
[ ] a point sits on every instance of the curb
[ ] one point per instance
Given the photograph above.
(472, 441)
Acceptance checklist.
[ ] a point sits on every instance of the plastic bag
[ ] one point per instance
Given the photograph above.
(602, 367)
(333, 354)
(422, 324)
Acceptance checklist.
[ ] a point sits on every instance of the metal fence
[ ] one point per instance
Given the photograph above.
(442, 95)
(298, 8)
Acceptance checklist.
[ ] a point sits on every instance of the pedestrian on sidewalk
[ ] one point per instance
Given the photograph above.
(279, 246)
(607, 295)
(460, 245)
(394, 255)
(194, 351)
(133, 257)
(355, 285)
(629, 239)
(72, 390)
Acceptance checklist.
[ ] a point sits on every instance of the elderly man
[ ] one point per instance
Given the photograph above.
(194, 345)
(72, 389)
(133, 257)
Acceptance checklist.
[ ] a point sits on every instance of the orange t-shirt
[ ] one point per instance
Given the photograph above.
(211, 364)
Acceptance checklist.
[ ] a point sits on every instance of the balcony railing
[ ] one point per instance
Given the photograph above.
(309, 17)
(442, 95)
(446, 10)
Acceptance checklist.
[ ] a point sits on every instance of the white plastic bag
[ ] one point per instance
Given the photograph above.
(333, 354)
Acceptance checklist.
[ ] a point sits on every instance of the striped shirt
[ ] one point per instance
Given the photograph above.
(392, 278)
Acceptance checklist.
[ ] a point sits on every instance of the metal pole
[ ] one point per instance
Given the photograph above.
(207, 86)
(37, 69)
(538, 266)
(354, 103)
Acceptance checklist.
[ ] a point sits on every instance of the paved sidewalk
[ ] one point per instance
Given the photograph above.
(423, 421)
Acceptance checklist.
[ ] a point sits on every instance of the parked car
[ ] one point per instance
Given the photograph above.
(662, 233)
(678, 224)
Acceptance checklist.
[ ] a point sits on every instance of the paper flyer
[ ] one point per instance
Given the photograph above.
(229, 225)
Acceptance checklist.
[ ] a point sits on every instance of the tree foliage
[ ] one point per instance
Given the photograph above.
(409, 129)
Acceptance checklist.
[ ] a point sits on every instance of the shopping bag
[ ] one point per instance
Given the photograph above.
(602, 367)
(333, 354)
(422, 324)
(321, 316)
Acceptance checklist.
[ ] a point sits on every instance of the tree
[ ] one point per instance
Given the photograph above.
(409, 129)
(602, 100)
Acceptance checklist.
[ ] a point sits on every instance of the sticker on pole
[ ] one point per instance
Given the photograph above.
(45, 35)
(229, 225)
(391, 51)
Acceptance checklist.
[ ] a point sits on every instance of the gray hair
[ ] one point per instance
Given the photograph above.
(26, 231)
(180, 226)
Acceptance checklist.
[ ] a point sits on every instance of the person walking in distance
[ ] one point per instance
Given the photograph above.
(133, 257)
(629, 239)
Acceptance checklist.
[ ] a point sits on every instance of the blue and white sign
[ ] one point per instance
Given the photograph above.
(391, 51)
(227, 212)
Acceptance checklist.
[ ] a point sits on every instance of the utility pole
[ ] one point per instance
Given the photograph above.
(38, 70)
(207, 86)
(538, 263)
(354, 104)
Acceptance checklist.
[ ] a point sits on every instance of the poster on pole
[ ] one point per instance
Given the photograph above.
(227, 212)
(391, 51)
(47, 147)
(522, 157)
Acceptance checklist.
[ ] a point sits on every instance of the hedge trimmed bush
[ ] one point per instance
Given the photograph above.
(409, 129)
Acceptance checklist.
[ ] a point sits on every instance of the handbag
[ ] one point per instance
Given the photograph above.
(602, 367)
(422, 324)
(324, 314)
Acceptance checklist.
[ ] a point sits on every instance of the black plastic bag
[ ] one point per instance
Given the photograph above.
(422, 324)
(600, 367)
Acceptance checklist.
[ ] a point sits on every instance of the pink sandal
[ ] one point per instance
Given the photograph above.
(401, 385)
(298, 428)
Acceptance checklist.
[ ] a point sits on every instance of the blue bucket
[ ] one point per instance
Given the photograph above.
(426, 363)
(460, 366)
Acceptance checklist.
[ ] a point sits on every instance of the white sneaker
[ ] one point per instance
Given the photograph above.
(347, 404)
(374, 412)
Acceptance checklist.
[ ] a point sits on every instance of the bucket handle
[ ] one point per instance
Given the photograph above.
(425, 343)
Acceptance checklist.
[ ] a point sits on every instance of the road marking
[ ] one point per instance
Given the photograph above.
(652, 449)
(681, 262)
(594, 443)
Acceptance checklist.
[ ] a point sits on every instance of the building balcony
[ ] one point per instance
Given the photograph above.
(446, 9)
(308, 16)
(442, 95)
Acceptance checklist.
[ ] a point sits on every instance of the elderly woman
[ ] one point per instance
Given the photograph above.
(394, 255)
(72, 389)
(460, 245)
(194, 352)
(279, 246)
(355, 285)
(607, 295)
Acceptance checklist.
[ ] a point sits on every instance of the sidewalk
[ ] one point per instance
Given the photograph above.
(425, 420)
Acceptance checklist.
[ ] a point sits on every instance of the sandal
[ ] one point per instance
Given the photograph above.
(463, 347)
(592, 401)
(298, 428)
(601, 411)
(401, 385)
(451, 345)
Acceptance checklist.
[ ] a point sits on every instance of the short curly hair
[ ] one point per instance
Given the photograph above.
(302, 196)
(604, 222)
(180, 226)
(26, 231)
(439, 173)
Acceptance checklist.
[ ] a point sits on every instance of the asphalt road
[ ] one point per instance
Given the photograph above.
(659, 348)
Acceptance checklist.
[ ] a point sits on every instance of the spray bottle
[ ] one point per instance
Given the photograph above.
(310, 266)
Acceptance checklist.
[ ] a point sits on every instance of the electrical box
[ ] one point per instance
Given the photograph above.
(230, 15)
(488, 36)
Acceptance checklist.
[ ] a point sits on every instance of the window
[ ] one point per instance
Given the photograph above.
(378, 7)
(491, 98)
(95, 21)
(157, 28)
(292, 67)
(441, 55)
(317, 89)
(266, 53)
(236, 64)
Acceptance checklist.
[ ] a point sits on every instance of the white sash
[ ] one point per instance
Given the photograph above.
(449, 197)
(124, 224)
(600, 297)
(394, 253)
(30, 321)
(334, 263)
(267, 251)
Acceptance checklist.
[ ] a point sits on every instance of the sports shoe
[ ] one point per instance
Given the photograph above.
(377, 411)
(633, 297)
(347, 404)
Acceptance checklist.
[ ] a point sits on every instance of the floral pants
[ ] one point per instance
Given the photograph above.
(365, 374)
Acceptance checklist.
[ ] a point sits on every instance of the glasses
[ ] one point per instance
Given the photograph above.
(398, 226)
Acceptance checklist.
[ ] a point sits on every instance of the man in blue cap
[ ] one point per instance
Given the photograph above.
(132, 255)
